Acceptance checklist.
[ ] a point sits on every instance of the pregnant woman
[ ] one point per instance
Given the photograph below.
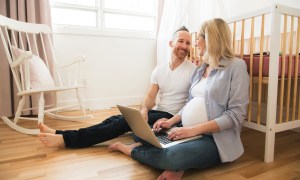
(216, 109)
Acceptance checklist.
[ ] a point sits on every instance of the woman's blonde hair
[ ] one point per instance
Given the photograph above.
(217, 35)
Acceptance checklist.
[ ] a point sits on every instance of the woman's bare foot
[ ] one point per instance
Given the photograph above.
(51, 140)
(45, 129)
(171, 175)
(126, 149)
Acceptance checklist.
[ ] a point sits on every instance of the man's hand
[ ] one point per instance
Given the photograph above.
(162, 123)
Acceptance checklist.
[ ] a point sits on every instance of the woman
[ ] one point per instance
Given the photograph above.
(216, 109)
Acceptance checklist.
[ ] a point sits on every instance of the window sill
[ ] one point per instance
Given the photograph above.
(97, 32)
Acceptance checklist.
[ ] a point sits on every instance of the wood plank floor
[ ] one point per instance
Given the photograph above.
(24, 157)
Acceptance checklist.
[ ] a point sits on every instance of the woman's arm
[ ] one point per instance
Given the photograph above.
(236, 106)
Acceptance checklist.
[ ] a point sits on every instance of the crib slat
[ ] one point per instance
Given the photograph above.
(195, 50)
(282, 69)
(260, 68)
(289, 71)
(251, 69)
(281, 42)
(267, 43)
(191, 49)
(233, 36)
(242, 39)
(296, 76)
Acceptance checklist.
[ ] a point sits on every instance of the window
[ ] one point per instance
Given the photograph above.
(116, 15)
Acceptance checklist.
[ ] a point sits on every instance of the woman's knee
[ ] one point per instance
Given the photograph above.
(171, 161)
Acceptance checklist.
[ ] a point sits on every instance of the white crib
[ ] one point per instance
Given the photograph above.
(268, 40)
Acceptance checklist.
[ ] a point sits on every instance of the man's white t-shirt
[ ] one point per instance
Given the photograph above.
(173, 86)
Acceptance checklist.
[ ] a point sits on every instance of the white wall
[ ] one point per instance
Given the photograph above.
(117, 70)
(238, 7)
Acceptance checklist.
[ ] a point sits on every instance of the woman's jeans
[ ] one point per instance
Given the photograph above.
(112, 127)
(196, 154)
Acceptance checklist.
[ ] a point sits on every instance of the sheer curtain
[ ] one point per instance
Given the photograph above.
(32, 11)
(189, 13)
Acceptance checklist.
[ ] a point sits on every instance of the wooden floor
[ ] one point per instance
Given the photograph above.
(24, 157)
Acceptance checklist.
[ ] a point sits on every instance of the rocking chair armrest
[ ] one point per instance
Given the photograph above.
(21, 58)
(78, 59)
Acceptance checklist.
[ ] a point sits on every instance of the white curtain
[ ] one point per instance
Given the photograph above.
(189, 13)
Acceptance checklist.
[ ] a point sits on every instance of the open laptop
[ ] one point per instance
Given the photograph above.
(140, 128)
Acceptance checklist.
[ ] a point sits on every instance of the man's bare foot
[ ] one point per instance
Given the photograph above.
(45, 129)
(126, 149)
(51, 140)
(171, 175)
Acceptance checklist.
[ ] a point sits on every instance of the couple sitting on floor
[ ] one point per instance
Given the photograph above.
(217, 94)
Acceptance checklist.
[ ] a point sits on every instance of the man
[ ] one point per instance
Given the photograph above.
(170, 80)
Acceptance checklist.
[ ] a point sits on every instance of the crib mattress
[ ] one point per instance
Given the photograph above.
(265, 67)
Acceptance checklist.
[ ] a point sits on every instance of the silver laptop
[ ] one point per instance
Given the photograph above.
(140, 128)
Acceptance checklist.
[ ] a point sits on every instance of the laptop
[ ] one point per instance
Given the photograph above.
(140, 128)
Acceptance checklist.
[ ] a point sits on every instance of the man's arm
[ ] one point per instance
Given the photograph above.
(149, 100)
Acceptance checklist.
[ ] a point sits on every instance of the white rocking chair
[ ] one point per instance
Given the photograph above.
(32, 74)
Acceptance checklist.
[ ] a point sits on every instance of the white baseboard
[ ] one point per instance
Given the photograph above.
(106, 103)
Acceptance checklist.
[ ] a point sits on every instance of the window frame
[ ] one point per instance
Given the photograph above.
(100, 29)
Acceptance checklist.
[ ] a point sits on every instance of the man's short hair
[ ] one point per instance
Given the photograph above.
(182, 28)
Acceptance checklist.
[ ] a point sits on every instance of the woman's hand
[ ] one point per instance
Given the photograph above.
(162, 123)
(181, 133)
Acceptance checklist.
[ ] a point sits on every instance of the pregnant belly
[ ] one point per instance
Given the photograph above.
(194, 112)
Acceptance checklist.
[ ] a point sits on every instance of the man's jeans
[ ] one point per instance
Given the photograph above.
(110, 128)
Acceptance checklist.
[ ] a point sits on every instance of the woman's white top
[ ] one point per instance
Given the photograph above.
(195, 110)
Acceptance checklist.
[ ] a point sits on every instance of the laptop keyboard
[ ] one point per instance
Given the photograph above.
(162, 137)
